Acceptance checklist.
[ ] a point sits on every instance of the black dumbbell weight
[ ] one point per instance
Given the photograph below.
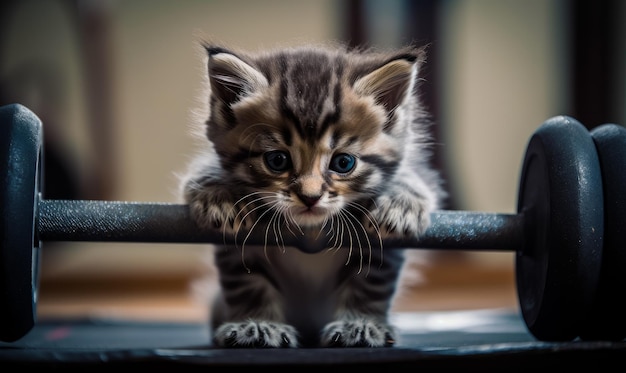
(560, 196)
(556, 234)
(606, 319)
(21, 142)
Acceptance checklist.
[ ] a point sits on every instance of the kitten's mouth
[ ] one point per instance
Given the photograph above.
(309, 216)
(314, 210)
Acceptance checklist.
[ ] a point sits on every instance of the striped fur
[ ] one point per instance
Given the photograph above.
(300, 139)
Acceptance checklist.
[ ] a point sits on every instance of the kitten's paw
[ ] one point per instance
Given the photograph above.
(361, 332)
(254, 333)
(400, 213)
(215, 208)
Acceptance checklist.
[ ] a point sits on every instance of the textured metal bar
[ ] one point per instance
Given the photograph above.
(74, 220)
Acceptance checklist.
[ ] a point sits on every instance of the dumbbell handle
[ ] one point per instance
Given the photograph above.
(91, 220)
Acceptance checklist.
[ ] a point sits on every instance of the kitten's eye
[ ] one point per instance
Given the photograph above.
(342, 163)
(277, 160)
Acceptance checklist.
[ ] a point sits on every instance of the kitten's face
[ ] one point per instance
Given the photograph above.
(311, 175)
(308, 134)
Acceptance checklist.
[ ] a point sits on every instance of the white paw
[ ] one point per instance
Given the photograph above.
(401, 213)
(361, 332)
(254, 333)
(215, 208)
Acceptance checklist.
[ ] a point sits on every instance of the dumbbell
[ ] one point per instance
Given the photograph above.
(566, 234)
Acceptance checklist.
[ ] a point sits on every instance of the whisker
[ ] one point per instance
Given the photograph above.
(335, 234)
(280, 233)
(357, 238)
(289, 217)
(270, 223)
(322, 228)
(331, 230)
(375, 224)
(269, 194)
(330, 233)
(257, 220)
(369, 244)
(236, 233)
(249, 212)
(370, 218)
(339, 233)
(295, 222)
(343, 226)
(252, 202)
(232, 210)
(243, 244)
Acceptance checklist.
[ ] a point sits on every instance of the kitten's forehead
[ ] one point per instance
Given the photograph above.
(311, 100)
(310, 90)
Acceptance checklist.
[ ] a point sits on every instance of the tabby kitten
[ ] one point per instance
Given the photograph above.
(302, 140)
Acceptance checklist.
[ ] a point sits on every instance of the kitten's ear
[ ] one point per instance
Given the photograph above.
(390, 83)
(231, 78)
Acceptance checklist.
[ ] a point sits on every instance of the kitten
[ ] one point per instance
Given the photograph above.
(302, 140)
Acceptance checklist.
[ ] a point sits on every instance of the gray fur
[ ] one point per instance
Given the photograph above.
(320, 108)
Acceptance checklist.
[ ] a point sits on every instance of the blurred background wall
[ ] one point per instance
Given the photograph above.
(115, 81)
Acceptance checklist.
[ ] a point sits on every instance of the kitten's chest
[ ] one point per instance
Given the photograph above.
(293, 268)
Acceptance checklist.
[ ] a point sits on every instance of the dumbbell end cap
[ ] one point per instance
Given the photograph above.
(21, 142)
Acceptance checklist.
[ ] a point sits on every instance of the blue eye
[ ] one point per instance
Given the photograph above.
(342, 163)
(277, 160)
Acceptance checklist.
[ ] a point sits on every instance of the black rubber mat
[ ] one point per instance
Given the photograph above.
(484, 340)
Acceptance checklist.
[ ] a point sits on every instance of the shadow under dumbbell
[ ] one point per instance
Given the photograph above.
(472, 340)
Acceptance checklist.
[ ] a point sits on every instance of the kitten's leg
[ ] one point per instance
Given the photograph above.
(404, 208)
(255, 333)
(361, 318)
(354, 330)
(248, 312)
(213, 205)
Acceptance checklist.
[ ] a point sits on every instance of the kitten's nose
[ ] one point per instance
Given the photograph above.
(309, 201)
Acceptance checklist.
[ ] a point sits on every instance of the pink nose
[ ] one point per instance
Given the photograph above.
(309, 201)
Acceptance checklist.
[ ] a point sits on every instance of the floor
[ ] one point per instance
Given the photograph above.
(450, 281)
(461, 315)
